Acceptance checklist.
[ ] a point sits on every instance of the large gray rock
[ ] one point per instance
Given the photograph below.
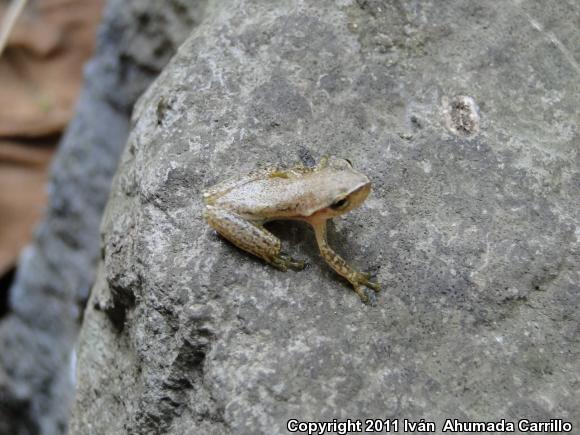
(465, 117)
(56, 272)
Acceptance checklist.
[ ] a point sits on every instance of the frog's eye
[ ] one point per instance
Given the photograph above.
(340, 204)
(350, 163)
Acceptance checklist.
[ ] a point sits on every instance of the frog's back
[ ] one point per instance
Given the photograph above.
(212, 193)
(266, 173)
(264, 199)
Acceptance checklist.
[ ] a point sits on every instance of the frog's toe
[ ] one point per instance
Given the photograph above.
(374, 285)
(362, 294)
(367, 297)
(298, 264)
(288, 261)
(363, 279)
(279, 264)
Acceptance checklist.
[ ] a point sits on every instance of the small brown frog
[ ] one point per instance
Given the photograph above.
(238, 208)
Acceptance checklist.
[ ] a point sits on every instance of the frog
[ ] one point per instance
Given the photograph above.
(238, 208)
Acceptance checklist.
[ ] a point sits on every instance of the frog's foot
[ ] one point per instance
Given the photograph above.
(362, 278)
(366, 296)
(359, 281)
(360, 291)
(283, 261)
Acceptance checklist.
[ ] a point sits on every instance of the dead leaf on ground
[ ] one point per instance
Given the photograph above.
(23, 174)
(40, 78)
(41, 68)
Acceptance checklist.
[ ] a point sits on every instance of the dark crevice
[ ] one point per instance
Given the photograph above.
(116, 312)
(15, 416)
(6, 281)
(116, 308)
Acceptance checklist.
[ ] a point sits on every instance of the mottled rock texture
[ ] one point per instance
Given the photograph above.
(39, 327)
(465, 117)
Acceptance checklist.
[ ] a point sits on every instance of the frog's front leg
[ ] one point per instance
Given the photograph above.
(250, 237)
(358, 279)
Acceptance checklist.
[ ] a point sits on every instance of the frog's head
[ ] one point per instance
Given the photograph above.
(341, 188)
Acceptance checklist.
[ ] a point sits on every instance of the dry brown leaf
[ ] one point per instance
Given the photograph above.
(40, 78)
(23, 174)
(41, 67)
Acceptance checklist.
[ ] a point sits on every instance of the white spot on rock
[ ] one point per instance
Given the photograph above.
(460, 115)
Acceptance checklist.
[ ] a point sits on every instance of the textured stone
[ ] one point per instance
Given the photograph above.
(465, 117)
(38, 332)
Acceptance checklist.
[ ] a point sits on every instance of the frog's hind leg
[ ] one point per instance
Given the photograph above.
(358, 280)
(250, 237)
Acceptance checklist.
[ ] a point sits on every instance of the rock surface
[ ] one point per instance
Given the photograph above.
(465, 117)
(39, 329)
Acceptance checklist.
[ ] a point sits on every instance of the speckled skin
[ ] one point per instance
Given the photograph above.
(238, 208)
